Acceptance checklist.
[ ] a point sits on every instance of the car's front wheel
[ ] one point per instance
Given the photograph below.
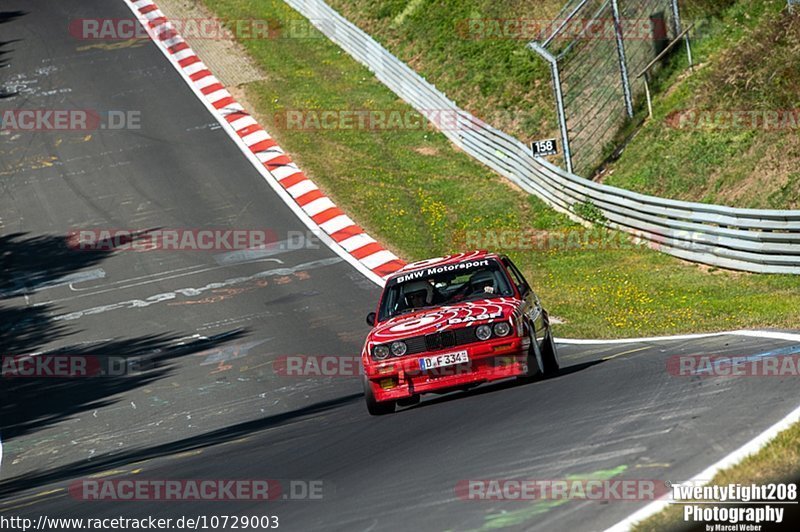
(374, 407)
(550, 354)
(534, 361)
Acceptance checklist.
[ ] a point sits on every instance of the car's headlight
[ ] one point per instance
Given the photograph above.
(483, 332)
(502, 328)
(380, 352)
(399, 349)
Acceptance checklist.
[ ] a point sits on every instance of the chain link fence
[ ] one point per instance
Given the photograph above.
(763, 241)
(596, 49)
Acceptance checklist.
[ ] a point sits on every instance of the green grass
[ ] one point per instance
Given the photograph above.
(496, 79)
(747, 61)
(748, 52)
(417, 194)
(778, 461)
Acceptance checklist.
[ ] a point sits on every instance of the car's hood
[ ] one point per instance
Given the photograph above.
(437, 319)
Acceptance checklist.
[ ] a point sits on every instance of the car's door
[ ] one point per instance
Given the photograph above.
(532, 307)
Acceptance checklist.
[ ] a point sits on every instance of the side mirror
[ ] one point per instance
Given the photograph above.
(371, 319)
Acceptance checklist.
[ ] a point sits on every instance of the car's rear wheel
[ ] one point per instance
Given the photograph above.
(550, 354)
(374, 407)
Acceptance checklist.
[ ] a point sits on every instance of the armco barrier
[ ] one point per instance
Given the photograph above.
(763, 241)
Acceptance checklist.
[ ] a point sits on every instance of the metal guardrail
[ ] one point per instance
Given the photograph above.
(762, 241)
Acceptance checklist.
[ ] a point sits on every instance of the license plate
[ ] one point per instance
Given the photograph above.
(447, 359)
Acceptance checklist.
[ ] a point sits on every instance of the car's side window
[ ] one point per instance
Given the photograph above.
(517, 277)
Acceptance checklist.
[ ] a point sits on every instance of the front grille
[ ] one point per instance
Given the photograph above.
(415, 345)
(441, 340)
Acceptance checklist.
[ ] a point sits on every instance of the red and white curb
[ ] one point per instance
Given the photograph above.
(306, 200)
(335, 228)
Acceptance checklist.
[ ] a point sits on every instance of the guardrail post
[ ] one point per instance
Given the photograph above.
(623, 62)
(562, 116)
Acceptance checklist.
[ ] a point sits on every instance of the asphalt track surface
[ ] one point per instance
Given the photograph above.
(211, 405)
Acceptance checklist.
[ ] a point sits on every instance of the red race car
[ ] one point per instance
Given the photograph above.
(453, 323)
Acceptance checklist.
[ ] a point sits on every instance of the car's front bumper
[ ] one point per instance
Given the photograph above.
(490, 360)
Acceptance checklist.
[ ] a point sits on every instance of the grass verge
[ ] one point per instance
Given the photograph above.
(778, 461)
(747, 52)
(417, 194)
(692, 149)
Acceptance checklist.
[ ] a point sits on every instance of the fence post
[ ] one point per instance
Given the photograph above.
(676, 17)
(623, 62)
(562, 117)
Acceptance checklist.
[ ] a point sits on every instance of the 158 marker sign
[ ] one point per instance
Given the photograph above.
(543, 148)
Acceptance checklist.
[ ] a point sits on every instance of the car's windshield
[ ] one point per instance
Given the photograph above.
(444, 285)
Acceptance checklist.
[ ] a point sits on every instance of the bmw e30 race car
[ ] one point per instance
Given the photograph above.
(453, 323)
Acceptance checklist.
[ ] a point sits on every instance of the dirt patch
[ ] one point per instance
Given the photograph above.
(240, 95)
(427, 150)
(683, 76)
(226, 58)
(716, 270)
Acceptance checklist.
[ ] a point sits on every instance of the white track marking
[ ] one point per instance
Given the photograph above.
(78, 277)
(193, 292)
(223, 260)
(772, 335)
(704, 476)
(733, 458)
(152, 278)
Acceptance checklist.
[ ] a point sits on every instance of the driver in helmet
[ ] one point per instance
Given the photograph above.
(482, 282)
(418, 294)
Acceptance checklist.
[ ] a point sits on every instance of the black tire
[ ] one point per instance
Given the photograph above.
(409, 401)
(534, 370)
(550, 355)
(376, 408)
